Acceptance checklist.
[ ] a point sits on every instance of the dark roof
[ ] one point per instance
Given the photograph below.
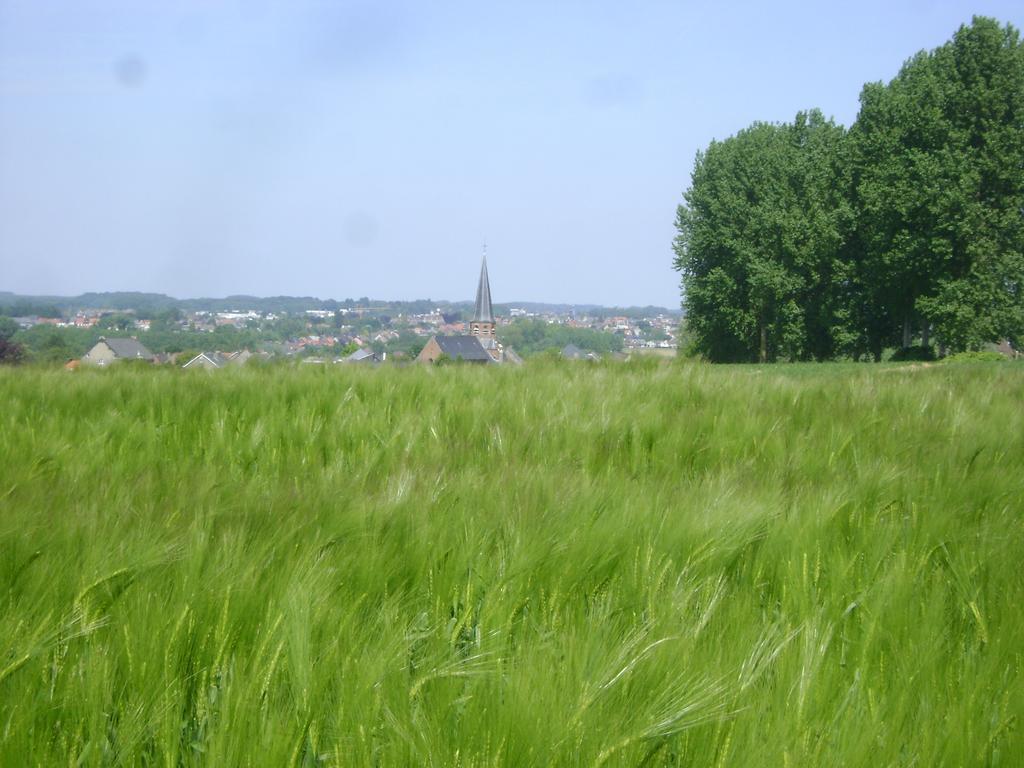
(128, 349)
(463, 347)
(361, 355)
(484, 313)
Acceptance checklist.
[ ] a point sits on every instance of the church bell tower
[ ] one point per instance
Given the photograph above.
(482, 324)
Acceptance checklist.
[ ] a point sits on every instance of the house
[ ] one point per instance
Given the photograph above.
(107, 351)
(213, 360)
(207, 360)
(364, 356)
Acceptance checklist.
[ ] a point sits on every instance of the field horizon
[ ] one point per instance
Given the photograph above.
(642, 563)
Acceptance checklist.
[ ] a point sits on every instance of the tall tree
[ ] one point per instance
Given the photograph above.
(759, 241)
(937, 158)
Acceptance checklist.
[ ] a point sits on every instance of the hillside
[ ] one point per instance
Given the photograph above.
(149, 303)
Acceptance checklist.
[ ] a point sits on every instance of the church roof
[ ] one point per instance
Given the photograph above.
(484, 313)
(463, 347)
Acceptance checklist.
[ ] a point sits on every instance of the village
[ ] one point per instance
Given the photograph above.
(360, 331)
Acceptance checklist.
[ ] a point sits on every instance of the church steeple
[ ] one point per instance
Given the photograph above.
(482, 323)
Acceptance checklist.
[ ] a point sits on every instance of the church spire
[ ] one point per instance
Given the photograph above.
(484, 312)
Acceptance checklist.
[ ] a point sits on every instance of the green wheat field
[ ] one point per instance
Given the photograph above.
(638, 564)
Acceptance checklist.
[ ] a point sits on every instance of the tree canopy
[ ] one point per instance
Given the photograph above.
(759, 239)
(805, 241)
(530, 336)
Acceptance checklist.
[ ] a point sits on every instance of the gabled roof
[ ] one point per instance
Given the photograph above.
(462, 347)
(572, 352)
(484, 313)
(220, 359)
(361, 355)
(216, 359)
(128, 349)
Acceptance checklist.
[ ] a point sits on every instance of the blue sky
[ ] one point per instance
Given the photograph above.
(346, 149)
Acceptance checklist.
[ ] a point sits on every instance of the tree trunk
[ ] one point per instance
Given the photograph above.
(875, 347)
(764, 343)
(926, 334)
(906, 332)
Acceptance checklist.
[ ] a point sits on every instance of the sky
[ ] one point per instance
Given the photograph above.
(348, 149)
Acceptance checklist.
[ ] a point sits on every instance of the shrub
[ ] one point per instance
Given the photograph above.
(11, 353)
(988, 356)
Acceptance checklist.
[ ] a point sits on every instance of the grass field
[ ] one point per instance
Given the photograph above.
(635, 564)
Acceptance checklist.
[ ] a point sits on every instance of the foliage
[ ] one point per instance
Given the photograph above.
(41, 341)
(8, 327)
(25, 307)
(982, 356)
(547, 565)
(936, 155)
(687, 345)
(531, 335)
(116, 321)
(759, 239)
(913, 353)
(52, 348)
(798, 241)
(11, 352)
(50, 343)
(408, 344)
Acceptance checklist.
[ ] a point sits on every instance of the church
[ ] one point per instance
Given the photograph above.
(481, 344)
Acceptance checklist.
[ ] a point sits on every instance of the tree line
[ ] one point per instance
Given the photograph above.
(532, 336)
(810, 241)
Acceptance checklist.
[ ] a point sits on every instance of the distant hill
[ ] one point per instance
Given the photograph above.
(151, 303)
(587, 309)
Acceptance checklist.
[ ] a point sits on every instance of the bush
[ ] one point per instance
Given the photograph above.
(11, 353)
(986, 356)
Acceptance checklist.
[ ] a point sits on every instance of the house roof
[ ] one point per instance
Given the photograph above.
(484, 313)
(462, 347)
(128, 349)
(361, 355)
(215, 358)
(572, 352)
(220, 359)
